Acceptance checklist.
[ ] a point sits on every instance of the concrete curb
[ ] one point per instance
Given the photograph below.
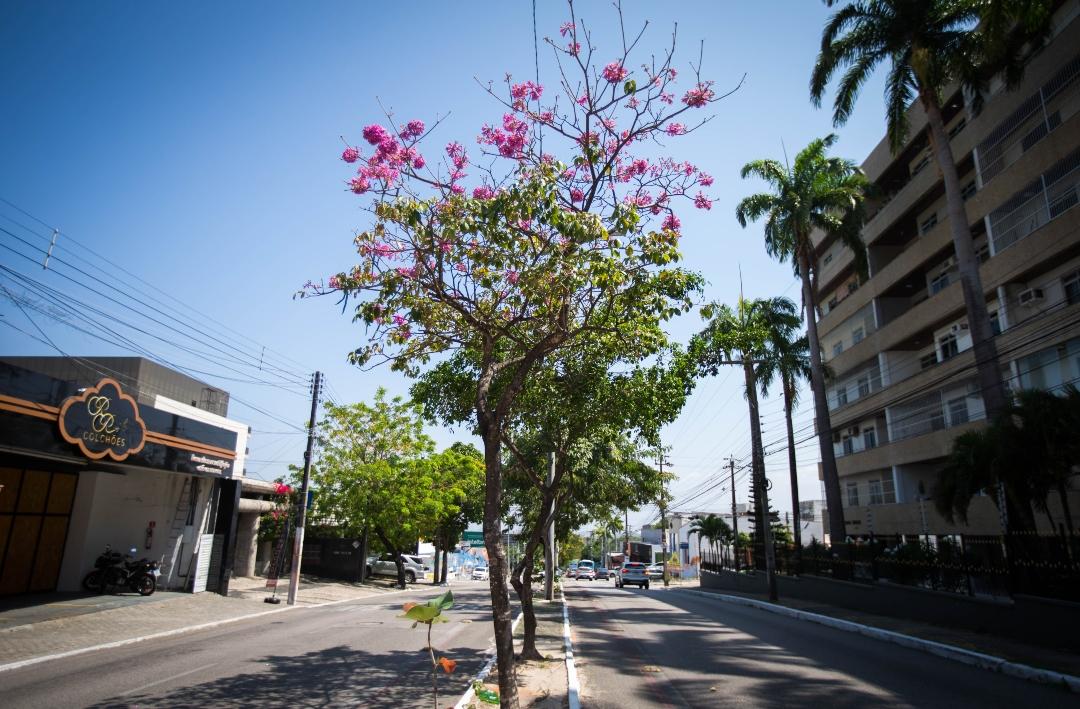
(573, 686)
(950, 652)
(479, 677)
(176, 631)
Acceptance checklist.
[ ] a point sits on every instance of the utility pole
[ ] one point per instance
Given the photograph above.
(301, 513)
(734, 516)
(626, 534)
(549, 541)
(663, 518)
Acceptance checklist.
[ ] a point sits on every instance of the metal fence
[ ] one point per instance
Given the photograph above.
(972, 565)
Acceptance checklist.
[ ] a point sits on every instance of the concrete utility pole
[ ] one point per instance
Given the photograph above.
(663, 518)
(301, 513)
(549, 542)
(734, 516)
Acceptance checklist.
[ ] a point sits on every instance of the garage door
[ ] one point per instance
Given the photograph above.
(35, 506)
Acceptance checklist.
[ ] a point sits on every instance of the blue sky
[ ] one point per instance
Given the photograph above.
(196, 146)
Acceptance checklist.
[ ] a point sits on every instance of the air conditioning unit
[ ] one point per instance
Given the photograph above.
(1030, 296)
(948, 263)
(958, 327)
(853, 431)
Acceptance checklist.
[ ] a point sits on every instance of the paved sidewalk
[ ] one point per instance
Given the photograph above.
(73, 624)
(1008, 649)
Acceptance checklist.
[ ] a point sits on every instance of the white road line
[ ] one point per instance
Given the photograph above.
(168, 679)
(467, 697)
(178, 631)
(573, 687)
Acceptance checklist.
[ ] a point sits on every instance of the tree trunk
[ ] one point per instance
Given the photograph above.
(1063, 493)
(435, 567)
(445, 565)
(795, 520)
(521, 580)
(758, 468)
(500, 599)
(830, 476)
(398, 562)
(982, 336)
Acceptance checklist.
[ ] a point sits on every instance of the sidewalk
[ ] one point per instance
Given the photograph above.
(1012, 650)
(68, 624)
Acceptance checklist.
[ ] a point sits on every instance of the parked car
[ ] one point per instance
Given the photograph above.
(602, 574)
(633, 573)
(586, 569)
(571, 570)
(417, 560)
(480, 573)
(655, 571)
(384, 565)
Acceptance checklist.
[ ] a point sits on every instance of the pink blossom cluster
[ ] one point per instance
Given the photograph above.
(671, 223)
(350, 154)
(282, 489)
(413, 130)
(675, 129)
(574, 48)
(566, 28)
(483, 192)
(510, 140)
(333, 282)
(615, 72)
(390, 157)
(699, 96)
(526, 91)
(702, 202)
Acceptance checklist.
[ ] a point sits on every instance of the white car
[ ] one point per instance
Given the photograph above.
(480, 573)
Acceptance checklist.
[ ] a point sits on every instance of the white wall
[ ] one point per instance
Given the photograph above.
(241, 429)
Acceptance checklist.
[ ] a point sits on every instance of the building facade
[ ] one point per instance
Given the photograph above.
(897, 341)
(92, 453)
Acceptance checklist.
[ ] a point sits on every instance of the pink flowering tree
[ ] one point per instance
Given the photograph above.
(559, 226)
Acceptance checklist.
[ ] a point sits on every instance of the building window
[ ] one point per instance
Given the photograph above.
(982, 252)
(853, 494)
(849, 445)
(995, 323)
(852, 286)
(837, 348)
(856, 335)
(938, 284)
(864, 386)
(927, 361)
(968, 190)
(928, 223)
(920, 165)
(949, 347)
(825, 261)
(1072, 288)
(841, 395)
(869, 438)
(876, 496)
(958, 411)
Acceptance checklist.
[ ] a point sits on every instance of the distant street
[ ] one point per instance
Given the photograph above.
(673, 649)
(351, 654)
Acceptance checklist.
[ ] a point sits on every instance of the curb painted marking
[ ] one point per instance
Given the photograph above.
(573, 687)
(177, 631)
(470, 692)
(950, 652)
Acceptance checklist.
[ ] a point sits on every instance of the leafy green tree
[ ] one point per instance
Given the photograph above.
(573, 546)
(741, 336)
(787, 359)
(823, 193)
(929, 45)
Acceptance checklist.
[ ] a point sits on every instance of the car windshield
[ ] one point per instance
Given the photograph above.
(585, 565)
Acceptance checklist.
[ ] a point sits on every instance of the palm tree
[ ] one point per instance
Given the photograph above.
(929, 44)
(815, 192)
(788, 360)
(740, 336)
(712, 527)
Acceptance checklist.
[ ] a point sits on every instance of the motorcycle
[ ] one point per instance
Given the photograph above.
(113, 570)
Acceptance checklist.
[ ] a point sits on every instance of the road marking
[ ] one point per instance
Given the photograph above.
(467, 697)
(178, 631)
(573, 686)
(168, 679)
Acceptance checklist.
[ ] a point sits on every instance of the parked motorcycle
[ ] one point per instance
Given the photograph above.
(113, 570)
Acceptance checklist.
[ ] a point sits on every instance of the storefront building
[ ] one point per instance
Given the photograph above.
(93, 454)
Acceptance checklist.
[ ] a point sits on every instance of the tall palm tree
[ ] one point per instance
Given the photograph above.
(814, 192)
(929, 44)
(712, 527)
(789, 361)
(740, 336)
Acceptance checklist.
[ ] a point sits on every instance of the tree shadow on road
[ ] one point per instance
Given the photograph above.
(337, 676)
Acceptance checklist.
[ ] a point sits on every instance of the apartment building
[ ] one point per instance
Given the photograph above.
(897, 340)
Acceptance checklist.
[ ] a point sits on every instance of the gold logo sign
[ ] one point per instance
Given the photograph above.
(103, 421)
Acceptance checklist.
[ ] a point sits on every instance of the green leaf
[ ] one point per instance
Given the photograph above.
(630, 86)
(443, 602)
(421, 614)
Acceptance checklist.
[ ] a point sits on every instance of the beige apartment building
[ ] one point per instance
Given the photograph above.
(897, 341)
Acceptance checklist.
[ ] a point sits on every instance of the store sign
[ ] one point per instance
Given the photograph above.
(103, 421)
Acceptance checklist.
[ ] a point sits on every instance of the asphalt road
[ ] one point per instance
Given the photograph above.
(662, 648)
(355, 654)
